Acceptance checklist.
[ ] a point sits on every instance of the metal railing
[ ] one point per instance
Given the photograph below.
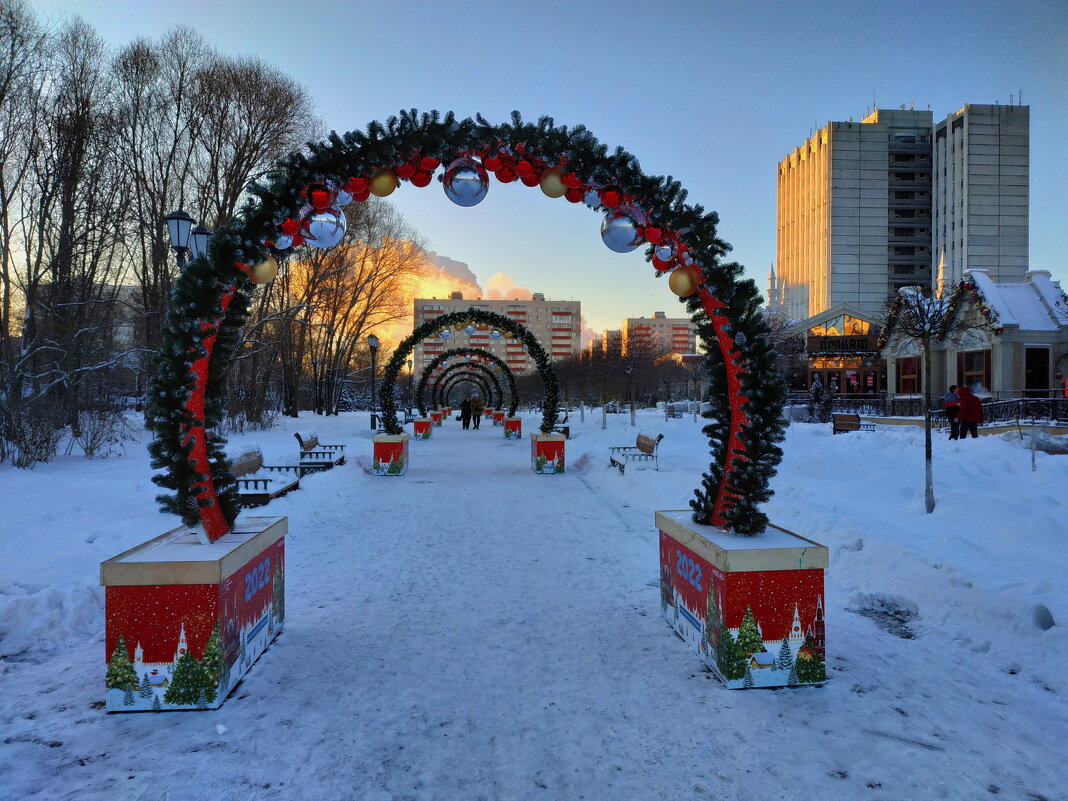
(995, 409)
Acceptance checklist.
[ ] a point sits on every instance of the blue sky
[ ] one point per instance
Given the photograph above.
(713, 93)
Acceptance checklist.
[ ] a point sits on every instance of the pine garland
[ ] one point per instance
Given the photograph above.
(430, 329)
(443, 391)
(402, 138)
(495, 398)
(420, 393)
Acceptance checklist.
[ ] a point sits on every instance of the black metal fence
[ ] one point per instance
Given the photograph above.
(995, 410)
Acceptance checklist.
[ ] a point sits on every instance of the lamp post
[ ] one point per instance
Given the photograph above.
(198, 241)
(179, 226)
(409, 387)
(372, 343)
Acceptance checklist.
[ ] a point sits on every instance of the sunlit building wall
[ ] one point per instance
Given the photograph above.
(664, 334)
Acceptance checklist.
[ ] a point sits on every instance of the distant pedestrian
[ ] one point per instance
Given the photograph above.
(476, 409)
(971, 413)
(465, 413)
(951, 404)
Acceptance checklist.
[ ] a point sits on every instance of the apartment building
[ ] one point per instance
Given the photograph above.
(556, 324)
(664, 334)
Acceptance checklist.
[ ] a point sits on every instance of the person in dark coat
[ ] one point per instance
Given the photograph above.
(465, 413)
(951, 402)
(476, 410)
(971, 413)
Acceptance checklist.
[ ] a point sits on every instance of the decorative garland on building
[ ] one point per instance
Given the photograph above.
(965, 291)
(494, 395)
(298, 202)
(444, 326)
(441, 358)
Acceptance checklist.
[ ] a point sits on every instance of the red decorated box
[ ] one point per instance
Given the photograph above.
(185, 621)
(751, 607)
(421, 427)
(390, 455)
(498, 418)
(437, 415)
(513, 428)
(487, 412)
(547, 453)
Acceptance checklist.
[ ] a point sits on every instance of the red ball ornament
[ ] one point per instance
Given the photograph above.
(405, 171)
(505, 175)
(492, 163)
(320, 199)
(610, 198)
(571, 181)
(574, 195)
(652, 234)
(662, 266)
(523, 168)
(429, 163)
(360, 197)
(355, 186)
(530, 179)
(298, 239)
(289, 227)
(421, 179)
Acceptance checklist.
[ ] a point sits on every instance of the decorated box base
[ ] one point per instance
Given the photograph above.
(446, 412)
(422, 427)
(390, 455)
(487, 413)
(547, 453)
(185, 621)
(751, 607)
(437, 415)
(498, 418)
(513, 428)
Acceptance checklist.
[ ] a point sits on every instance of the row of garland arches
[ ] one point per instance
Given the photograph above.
(482, 375)
(296, 203)
(459, 382)
(481, 353)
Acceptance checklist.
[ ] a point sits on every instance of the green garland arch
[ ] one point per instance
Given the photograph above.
(470, 377)
(211, 297)
(550, 401)
(506, 371)
(494, 394)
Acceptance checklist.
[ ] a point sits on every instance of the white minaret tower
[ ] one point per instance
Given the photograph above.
(797, 636)
(182, 645)
(139, 659)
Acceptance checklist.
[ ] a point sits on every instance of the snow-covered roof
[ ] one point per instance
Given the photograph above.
(763, 658)
(1033, 305)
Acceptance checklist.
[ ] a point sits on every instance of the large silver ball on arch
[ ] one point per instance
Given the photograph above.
(430, 330)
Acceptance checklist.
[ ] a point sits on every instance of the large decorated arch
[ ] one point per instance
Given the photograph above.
(491, 386)
(461, 352)
(444, 327)
(457, 381)
(299, 202)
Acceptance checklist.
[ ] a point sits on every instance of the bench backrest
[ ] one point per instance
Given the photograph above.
(308, 442)
(646, 444)
(247, 463)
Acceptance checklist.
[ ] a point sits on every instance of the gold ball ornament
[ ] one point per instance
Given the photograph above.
(458, 326)
(684, 281)
(552, 183)
(508, 335)
(264, 272)
(383, 183)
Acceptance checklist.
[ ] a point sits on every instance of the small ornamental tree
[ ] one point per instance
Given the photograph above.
(212, 659)
(809, 666)
(815, 400)
(749, 639)
(121, 674)
(186, 682)
(786, 657)
(146, 687)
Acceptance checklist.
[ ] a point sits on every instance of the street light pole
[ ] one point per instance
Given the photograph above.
(179, 226)
(372, 343)
(409, 387)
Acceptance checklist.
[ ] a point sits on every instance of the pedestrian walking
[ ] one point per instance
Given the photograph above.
(951, 405)
(476, 409)
(971, 413)
(465, 413)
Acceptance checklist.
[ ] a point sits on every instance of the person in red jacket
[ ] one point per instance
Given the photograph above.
(971, 412)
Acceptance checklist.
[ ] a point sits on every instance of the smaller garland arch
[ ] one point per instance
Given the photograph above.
(493, 393)
(459, 379)
(447, 322)
(441, 358)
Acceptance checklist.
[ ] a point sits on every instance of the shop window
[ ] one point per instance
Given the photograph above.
(973, 369)
(908, 376)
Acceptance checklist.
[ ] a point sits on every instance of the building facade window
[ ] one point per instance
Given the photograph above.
(908, 375)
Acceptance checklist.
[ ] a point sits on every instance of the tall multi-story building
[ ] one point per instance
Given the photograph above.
(555, 323)
(980, 210)
(867, 207)
(664, 334)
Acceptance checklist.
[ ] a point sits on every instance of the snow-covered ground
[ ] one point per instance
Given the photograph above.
(475, 631)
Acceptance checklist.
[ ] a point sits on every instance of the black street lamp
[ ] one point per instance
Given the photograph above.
(198, 241)
(372, 343)
(179, 225)
(409, 387)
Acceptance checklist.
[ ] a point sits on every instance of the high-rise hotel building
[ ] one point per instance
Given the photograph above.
(895, 200)
(556, 324)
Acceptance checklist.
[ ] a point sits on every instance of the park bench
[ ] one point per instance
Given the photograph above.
(258, 483)
(561, 428)
(643, 450)
(673, 411)
(316, 456)
(841, 423)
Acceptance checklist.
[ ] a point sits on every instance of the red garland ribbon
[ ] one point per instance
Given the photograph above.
(212, 521)
(726, 495)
